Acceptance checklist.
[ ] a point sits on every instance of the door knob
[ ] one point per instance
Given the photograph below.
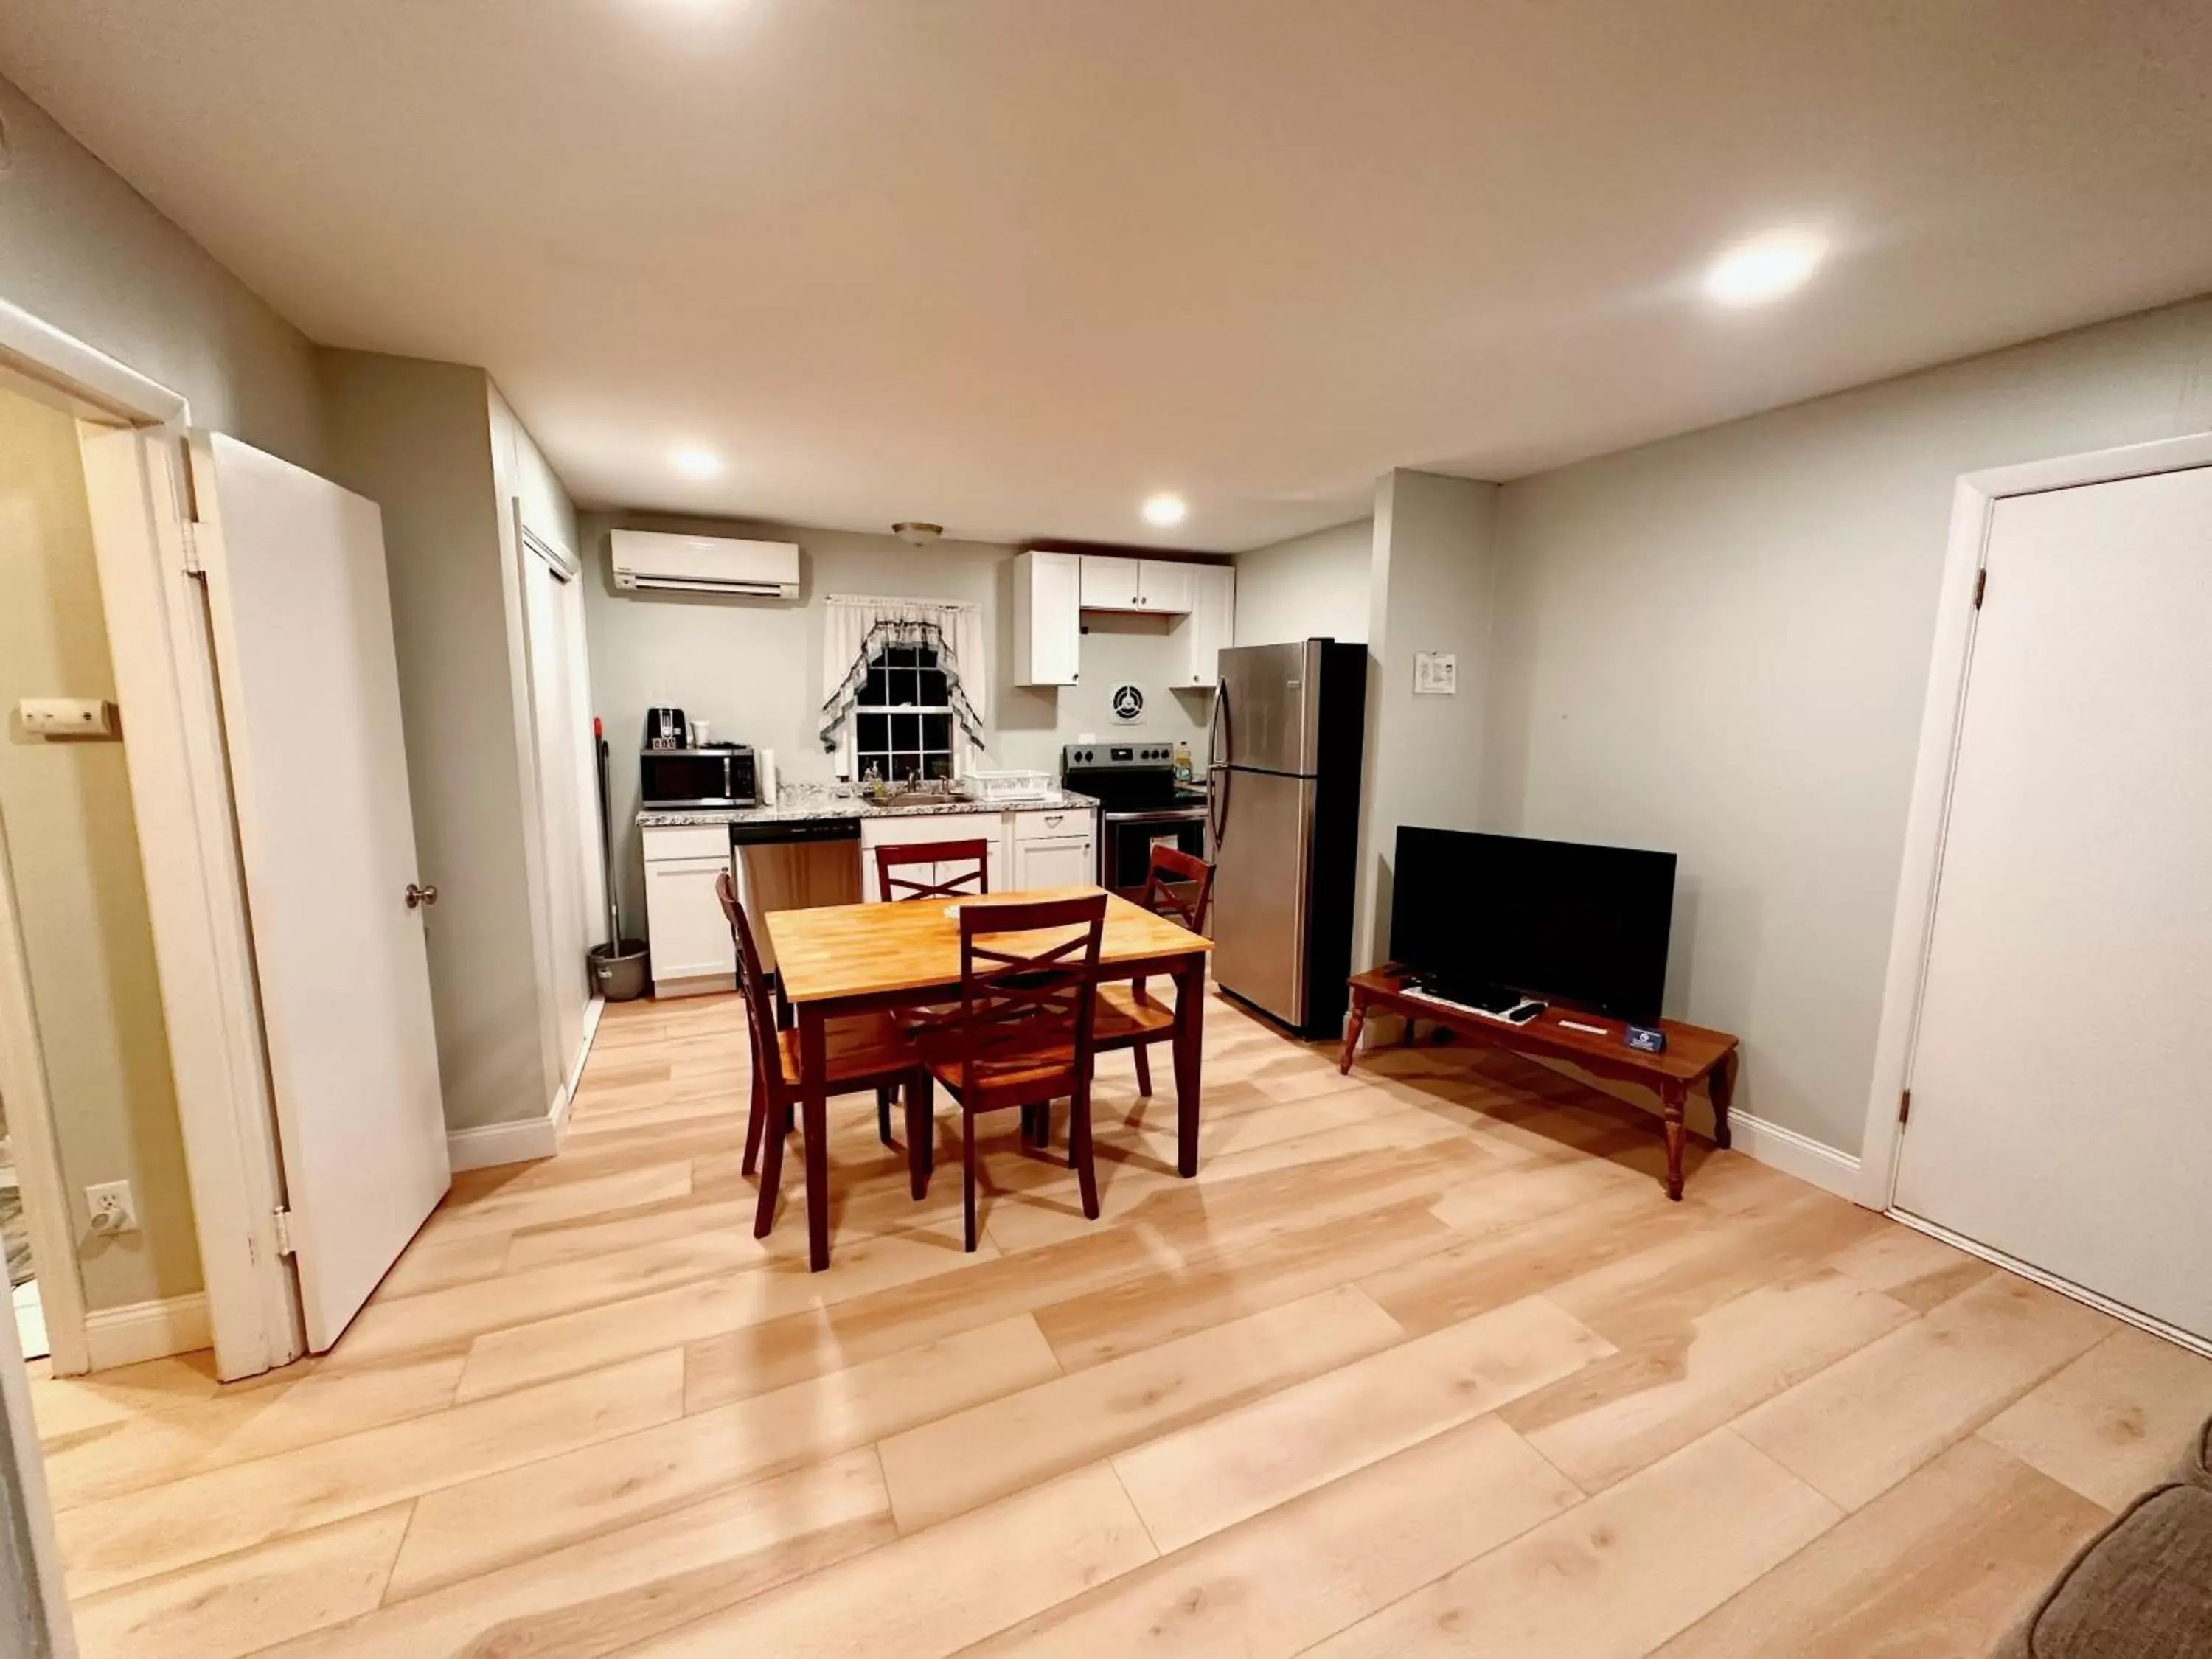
(417, 896)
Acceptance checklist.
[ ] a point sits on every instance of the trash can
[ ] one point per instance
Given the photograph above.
(619, 969)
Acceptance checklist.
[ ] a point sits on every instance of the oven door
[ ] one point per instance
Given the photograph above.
(1127, 840)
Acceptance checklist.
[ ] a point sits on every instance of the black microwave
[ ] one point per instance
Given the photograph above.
(720, 776)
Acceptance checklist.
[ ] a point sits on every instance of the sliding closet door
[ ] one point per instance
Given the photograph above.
(2060, 1081)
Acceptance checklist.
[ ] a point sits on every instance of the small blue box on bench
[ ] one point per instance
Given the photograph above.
(1648, 1038)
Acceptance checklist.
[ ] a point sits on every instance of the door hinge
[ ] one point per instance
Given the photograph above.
(1981, 585)
(1905, 1107)
(283, 1221)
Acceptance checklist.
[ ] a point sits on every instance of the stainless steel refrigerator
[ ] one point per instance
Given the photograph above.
(1289, 724)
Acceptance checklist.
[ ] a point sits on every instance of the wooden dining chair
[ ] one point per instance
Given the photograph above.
(1023, 1032)
(861, 1052)
(1181, 888)
(892, 887)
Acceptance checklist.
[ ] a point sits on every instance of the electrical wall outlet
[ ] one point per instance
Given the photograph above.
(114, 1210)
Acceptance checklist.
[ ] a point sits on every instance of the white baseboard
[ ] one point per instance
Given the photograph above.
(522, 1141)
(147, 1330)
(1796, 1154)
(527, 1139)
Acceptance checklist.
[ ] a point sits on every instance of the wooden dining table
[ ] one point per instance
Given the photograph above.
(855, 958)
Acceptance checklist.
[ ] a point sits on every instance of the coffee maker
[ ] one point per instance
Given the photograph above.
(666, 728)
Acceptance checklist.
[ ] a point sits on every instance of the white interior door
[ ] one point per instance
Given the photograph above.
(2059, 1107)
(301, 620)
(548, 609)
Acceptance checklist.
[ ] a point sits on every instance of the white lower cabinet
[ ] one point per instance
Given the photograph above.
(927, 826)
(1032, 848)
(1066, 861)
(691, 951)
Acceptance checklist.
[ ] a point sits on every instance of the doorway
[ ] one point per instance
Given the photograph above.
(87, 1108)
(2056, 1113)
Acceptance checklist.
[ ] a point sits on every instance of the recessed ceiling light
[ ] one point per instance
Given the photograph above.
(697, 462)
(1765, 268)
(1166, 511)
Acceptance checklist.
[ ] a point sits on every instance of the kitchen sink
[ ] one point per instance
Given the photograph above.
(925, 797)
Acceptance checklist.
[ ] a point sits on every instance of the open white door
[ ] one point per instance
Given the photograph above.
(2058, 1102)
(302, 621)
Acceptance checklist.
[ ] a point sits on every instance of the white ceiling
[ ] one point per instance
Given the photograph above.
(1015, 264)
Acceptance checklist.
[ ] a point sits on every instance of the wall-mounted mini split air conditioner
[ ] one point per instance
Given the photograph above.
(649, 559)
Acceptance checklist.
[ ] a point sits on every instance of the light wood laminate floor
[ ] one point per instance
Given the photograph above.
(1423, 1362)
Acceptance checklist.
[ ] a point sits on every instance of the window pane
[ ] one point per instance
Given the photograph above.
(936, 732)
(906, 686)
(931, 692)
(906, 731)
(863, 761)
(937, 766)
(875, 693)
(872, 732)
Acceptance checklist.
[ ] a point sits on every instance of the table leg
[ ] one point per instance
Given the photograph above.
(1723, 1084)
(1351, 1035)
(1672, 1102)
(813, 1063)
(1189, 1042)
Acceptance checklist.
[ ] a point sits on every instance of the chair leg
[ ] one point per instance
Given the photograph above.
(968, 1175)
(1144, 1071)
(756, 1122)
(1079, 1149)
(884, 1116)
(771, 1176)
(920, 1132)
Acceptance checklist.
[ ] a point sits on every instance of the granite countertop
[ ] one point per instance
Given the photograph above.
(837, 800)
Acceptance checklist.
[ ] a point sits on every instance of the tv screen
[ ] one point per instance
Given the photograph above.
(1552, 919)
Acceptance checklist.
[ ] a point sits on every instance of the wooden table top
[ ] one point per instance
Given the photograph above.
(864, 950)
(1691, 1050)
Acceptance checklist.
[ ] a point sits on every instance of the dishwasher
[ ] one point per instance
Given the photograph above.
(792, 864)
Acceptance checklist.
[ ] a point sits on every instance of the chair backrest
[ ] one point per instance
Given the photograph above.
(1179, 887)
(976, 878)
(752, 979)
(1029, 976)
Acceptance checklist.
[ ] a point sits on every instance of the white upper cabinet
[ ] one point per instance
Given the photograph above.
(1164, 587)
(1047, 618)
(1160, 585)
(1210, 628)
(1110, 584)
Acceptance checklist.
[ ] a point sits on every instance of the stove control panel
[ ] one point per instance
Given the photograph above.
(1117, 754)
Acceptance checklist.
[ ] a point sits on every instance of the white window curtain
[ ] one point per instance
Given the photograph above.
(853, 628)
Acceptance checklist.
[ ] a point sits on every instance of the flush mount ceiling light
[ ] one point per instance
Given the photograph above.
(697, 462)
(1166, 511)
(1763, 268)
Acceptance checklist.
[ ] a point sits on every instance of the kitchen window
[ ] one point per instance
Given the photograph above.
(902, 723)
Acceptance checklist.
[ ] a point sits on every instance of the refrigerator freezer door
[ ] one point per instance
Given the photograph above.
(1267, 708)
(1260, 890)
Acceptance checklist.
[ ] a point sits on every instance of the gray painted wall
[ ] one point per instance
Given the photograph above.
(82, 250)
(416, 438)
(1719, 645)
(1430, 589)
(1308, 585)
(753, 667)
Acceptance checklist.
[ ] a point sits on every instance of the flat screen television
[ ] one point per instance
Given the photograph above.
(1556, 919)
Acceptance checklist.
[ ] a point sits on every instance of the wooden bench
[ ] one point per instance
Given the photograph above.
(1693, 1055)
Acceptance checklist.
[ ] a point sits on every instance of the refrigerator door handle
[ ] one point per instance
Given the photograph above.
(1219, 744)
